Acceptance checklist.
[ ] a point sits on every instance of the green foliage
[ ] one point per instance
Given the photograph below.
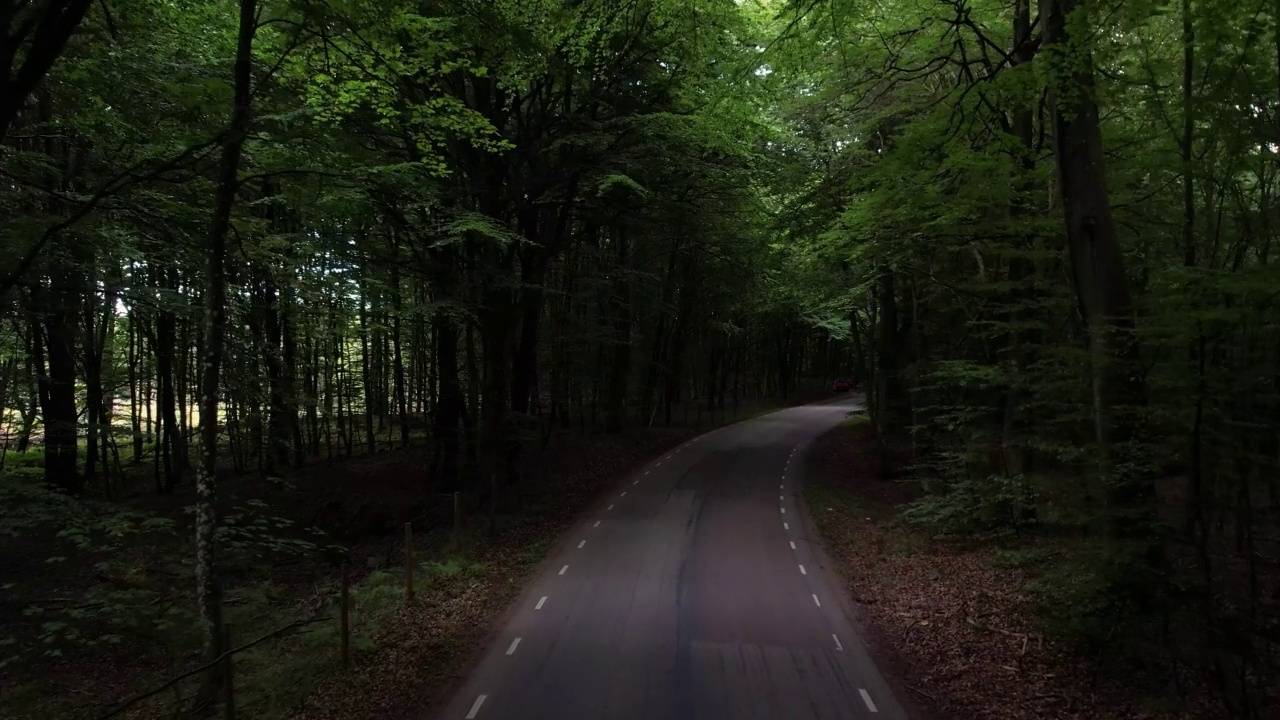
(988, 507)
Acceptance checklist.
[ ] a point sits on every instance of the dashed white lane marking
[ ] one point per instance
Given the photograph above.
(646, 472)
(837, 639)
(514, 644)
(659, 464)
(816, 601)
(668, 457)
(637, 482)
(786, 526)
(782, 497)
(610, 508)
(866, 698)
(624, 494)
(802, 570)
(475, 707)
(781, 485)
(793, 544)
(540, 603)
(564, 569)
(584, 542)
(597, 524)
(784, 510)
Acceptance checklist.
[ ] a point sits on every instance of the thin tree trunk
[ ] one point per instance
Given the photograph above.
(135, 401)
(402, 404)
(208, 590)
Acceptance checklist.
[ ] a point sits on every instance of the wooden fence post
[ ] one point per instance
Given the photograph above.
(345, 617)
(408, 562)
(228, 683)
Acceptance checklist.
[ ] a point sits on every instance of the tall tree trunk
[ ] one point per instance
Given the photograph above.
(659, 335)
(402, 404)
(135, 401)
(1102, 290)
(93, 387)
(208, 589)
(366, 373)
(620, 366)
(1187, 141)
(278, 424)
(165, 345)
(58, 380)
(448, 406)
(525, 366)
(289, 350)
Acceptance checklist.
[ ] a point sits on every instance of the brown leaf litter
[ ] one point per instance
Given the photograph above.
(951, 630)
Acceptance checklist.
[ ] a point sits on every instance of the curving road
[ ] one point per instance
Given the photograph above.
(692, 593)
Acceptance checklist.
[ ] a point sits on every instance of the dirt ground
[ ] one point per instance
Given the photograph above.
(951, 627)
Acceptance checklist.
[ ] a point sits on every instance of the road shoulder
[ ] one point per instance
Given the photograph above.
(949, 627)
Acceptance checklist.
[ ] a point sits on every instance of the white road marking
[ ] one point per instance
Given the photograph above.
(597, 524)
(793, 544)
(610, 508)
(646, 472)
(475, 707)
(866, 698)
(540, 603)
(838, 645)
(782, 497)
(584, 542)
(564, 569)
(802, 570)
(514, 644)
(659, 464)
(786, 526)
(668, 457)
(624, 494)
(816, 601)
(637, 482)
(781, 485)
(784, 510)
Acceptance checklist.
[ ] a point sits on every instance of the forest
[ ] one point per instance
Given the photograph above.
(248, 246)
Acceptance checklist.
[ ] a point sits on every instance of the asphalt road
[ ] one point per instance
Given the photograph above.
(692, 593)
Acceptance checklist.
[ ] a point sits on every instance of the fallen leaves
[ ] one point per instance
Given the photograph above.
(948, 625)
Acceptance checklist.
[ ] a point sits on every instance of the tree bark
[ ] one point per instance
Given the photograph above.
(1102, 290)
(55, 359)
(620, 365)
(208, 590)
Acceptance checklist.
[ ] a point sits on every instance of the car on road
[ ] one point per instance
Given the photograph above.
(842, 385)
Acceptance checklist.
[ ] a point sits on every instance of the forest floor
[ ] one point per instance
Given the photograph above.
(283, 546)
(954, 625)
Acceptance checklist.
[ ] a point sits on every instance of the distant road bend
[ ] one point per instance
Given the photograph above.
(690, 593)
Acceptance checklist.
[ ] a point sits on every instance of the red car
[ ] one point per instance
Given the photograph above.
(842, 386)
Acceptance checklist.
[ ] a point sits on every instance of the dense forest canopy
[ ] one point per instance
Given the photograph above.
(1039, 236)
